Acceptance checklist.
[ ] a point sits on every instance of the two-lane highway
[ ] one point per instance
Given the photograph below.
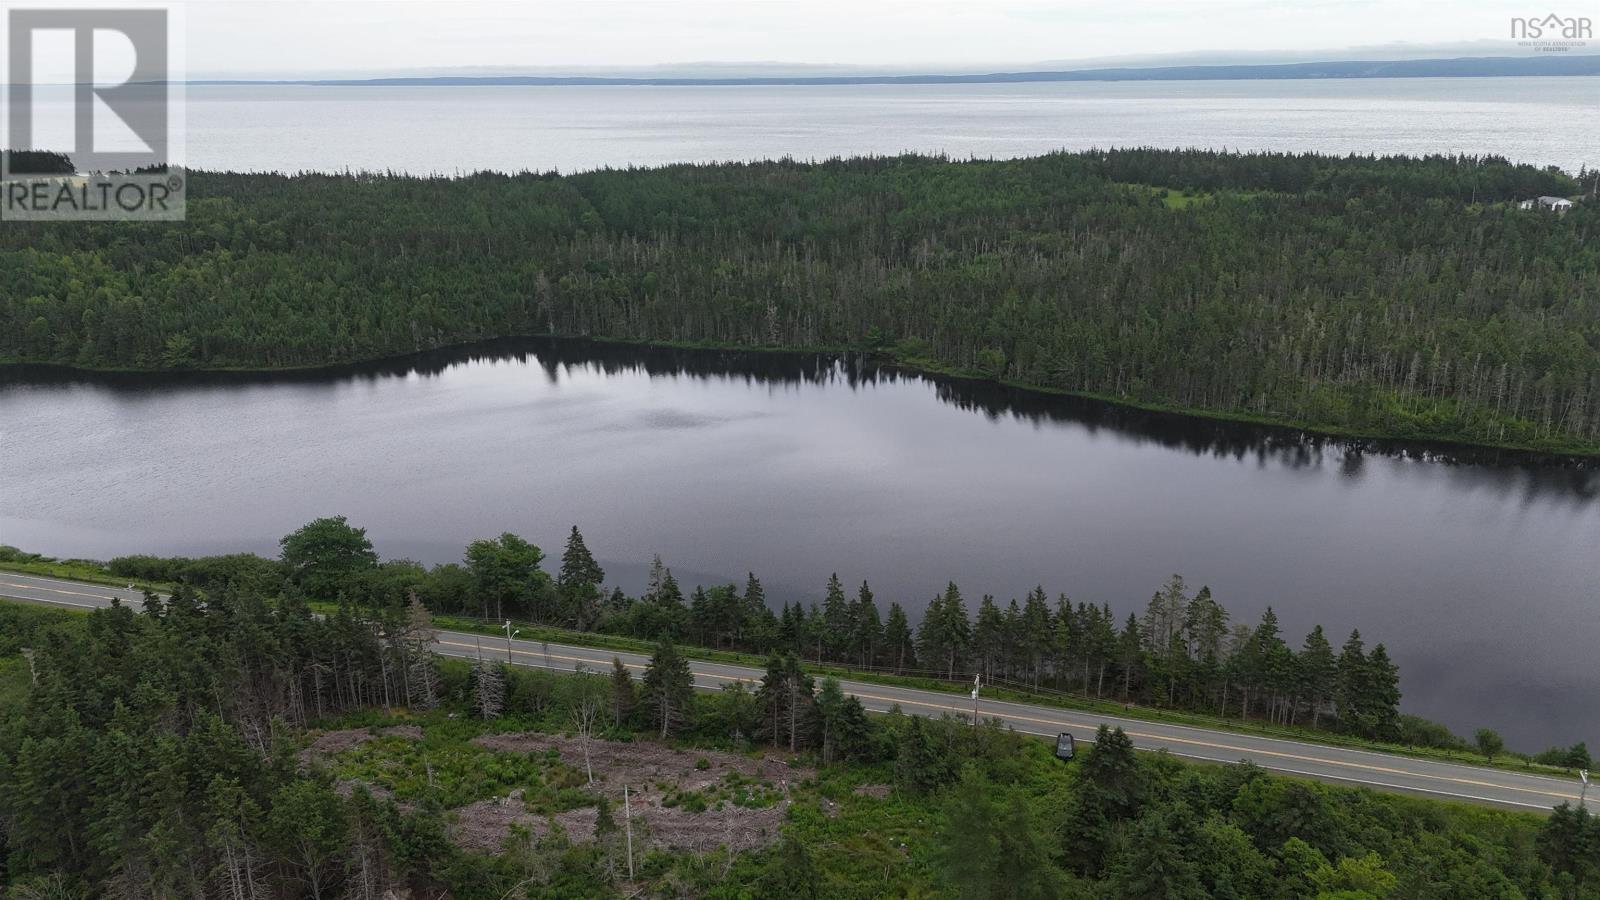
(1380, 771)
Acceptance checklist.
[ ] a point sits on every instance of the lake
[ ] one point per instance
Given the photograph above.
(420, 129)
(1478, 571)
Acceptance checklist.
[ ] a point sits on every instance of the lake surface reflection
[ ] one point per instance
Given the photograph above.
(1477, 569)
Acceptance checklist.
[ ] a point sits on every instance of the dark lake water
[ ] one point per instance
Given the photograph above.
(1481, 573)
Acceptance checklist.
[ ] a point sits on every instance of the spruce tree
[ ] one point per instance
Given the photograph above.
(786, 702)
(668, 693)
(579, 582)
(1353, 690)
(1382, 705)
(1037, 628)
(1013, 648)
(760, 627)
(897, 639)
(836, 625)
(988, 636)
(1319, 672)
(670, 616)
(624, 695)
(921, 765)
(703, 616)
(1130, 654)
(1111, 790)
(1273, 663)
(1102, 639)
(1067, 645)
(832, 705)
(868, 628)
(945, 636)
(1569, 841)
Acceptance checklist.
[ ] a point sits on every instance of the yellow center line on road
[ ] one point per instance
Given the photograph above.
(34, 587)
(961, 708)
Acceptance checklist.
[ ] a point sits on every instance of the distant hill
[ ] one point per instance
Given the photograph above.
(36, 162)
(1463, 67)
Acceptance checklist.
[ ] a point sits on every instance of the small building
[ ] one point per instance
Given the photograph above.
(1554, 204)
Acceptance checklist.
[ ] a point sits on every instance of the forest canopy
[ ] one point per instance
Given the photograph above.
(228, 743)
(1394, 296)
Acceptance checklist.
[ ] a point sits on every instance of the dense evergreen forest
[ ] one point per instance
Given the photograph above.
(1404, 297)
(165, 754)
(1179, 649)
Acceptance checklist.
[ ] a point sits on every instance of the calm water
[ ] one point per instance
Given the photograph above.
(456, 129)
(1481, 576)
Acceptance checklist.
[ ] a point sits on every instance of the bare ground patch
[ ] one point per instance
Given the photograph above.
(346, 787)
(660, 780)
(332, 743)
(642, 763)
(483, 826)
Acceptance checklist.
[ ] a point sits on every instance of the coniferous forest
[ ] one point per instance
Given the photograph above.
(1405, 297)
(226, 741)
(1180, 649)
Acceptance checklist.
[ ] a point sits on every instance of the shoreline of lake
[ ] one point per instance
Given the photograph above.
(1433, 449)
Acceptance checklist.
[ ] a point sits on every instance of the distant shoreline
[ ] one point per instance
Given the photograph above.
(1463, 67)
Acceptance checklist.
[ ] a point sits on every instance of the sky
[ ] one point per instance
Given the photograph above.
(348, 36)
(355, 38)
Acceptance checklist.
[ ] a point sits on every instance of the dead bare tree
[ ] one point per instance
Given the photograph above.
(584, 715)
(489, 689)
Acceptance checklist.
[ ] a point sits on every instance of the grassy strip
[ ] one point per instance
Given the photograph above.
(86, 570)
(533, 632)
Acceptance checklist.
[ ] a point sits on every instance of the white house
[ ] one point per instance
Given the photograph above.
(1554, 204)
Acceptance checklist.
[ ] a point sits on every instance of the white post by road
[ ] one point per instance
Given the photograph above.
(509, 635)
(976, 681)
(1583, 793)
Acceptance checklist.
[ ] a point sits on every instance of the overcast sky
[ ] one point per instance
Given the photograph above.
(291, 38)
(267, 39)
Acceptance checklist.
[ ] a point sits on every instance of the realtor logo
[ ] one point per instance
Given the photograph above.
(1552, 32)
(90, 107)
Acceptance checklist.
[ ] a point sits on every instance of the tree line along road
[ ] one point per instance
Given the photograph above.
(1368, 768)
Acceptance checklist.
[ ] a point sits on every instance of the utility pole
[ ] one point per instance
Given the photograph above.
(627, 817)
(509, 635)
(976, 681)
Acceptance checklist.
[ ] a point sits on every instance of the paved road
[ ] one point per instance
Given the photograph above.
(1380, 771)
